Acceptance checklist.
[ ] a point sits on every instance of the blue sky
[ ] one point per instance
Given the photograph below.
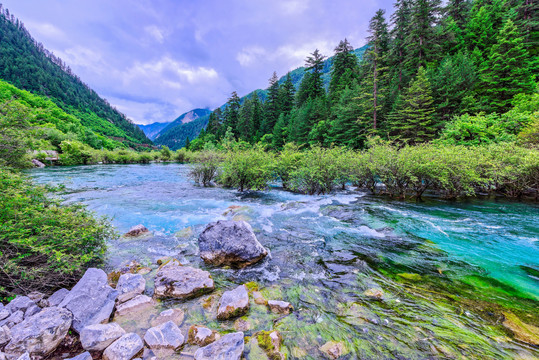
(155, 60)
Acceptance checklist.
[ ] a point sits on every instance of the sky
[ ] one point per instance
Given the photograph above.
(155, 60)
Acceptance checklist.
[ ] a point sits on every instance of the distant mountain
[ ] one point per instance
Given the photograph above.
(26, 64)
(152, 130)
(176, 133)
(186, 125)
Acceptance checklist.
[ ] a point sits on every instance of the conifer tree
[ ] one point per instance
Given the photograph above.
(232, 112)
(507, 70)
(244, 127)
(286, 95)
(272, 105)
(344, 70)
(413, 120)
(280, 132)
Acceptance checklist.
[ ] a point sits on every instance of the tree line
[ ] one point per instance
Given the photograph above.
(424, 69)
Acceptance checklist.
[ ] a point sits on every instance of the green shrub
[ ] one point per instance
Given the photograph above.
(76, 153)
(206, 166)
(249, 169)
(44, 246)
(288, 161)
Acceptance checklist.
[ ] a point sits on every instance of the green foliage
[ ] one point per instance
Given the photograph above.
(13, 140)
(205, 167)
(249, 169)
(44, 246)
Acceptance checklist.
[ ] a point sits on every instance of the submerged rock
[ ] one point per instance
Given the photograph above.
(280, 307)
(201, 335)
(175, 315)
(83, 356)
(91, 300)
(259, 298)
(99, 336)
(165, 336)
(137, 230)
(182, 282)
(524, 332)
(375, 294)
(333, 349)
(40, 334)
(230, 243)
(136, 304)
(229, 347)
(129, 286)
(125, 348)
(233, 303)
(270, 342)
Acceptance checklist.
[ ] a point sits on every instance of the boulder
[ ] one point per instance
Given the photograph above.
(270, 342)
(2, 356)
(56, 298)
(182, 282)
(165, 336)
(175, 315)
(138, 303)
(229, 347)
(129, 286)
(228, 242)
(83, 356)
(24, 356)
(91, 300)
(333, 349)
(98, 337)
(280, 307)
(19, 303)
(32, 310)
(259, 298)
(125, 348)
(39, 334)
(4, 313)
(137, 230)
(375, 294)
(201, 336)
(233, 303)
(5, 335)
(37, 163)
(13, 319)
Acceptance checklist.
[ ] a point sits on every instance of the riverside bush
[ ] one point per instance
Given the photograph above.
(205, 166)
(249, 169)
(44, 246)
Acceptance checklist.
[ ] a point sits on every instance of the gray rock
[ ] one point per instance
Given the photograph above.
(98, 337)
(36, 296)
(229, 347)
(230, 243)
(4, 313)
(136, 304)
(2, 356)
(14, 319)
(201, 336)
(175, 315)
(91, 301)
(280, 307)
(83, 356)
(19, 303)
(125, 348)
(182, 282)
(137, 230)
(5, 335)
(39, 334)
(233, 303)
(129, 286)
(165, 336)
(32, 310)
(37, 163)
(24, 356)
(56, 298)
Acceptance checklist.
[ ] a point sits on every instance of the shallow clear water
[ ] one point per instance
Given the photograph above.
(446, 268)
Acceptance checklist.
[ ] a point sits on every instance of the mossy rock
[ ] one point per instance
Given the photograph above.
(185, 233)
(522, 331)
(410, 276)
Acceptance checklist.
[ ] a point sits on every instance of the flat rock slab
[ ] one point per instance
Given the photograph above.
(40, 334)
(137, 230)
(125, 348)
(138, 303)
(228, 242)
(280, 307)
(13, 319)
(98, 337)
(20, 303)
(91, 300)
(56, 298)
(229, 347)
(182, 282)
(129, 286)
(5, 335)
(233, 303)
(165, 336)
(201, 336)
(83, 356)
(175, 315)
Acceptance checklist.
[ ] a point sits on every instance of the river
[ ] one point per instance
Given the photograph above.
(448, 270)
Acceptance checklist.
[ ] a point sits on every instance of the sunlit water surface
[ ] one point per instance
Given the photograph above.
(447, 269)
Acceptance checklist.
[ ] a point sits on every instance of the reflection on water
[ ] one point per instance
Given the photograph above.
(446, 269)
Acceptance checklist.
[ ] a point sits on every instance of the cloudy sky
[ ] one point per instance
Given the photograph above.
(155, 60)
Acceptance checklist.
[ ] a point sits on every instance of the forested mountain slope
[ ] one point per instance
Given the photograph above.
(26, 64)
(186, 126)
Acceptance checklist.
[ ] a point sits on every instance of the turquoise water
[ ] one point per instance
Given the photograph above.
(327, 250)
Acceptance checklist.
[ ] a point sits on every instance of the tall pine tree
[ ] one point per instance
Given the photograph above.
(344, 71)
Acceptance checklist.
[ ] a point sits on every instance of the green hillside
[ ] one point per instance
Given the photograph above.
(177, 132)
(27, 65)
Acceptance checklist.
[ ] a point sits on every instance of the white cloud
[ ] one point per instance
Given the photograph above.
(294, 7)
(156, 33)
(247, 56)
(45, 30)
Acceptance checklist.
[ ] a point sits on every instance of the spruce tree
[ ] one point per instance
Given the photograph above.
(232, 112)
(272, 105)
(315, 63)
(413, 120)
(286, 95)
(507, 70)
(344, 69)
(280, 132)
(244, 127)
